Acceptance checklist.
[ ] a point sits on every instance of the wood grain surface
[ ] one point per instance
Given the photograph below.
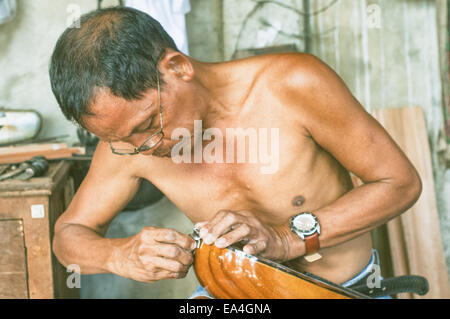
(232, 274)
(415, 237)
(13, 272)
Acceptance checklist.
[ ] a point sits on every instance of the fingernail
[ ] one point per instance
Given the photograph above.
(203, 232)
(209, 239)
(194, 245)
(221, 243)
(199, 224)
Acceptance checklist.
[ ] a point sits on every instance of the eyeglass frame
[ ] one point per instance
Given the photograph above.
(143, 147)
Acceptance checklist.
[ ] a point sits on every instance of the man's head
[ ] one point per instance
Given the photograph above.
(103, 74)
(114, 48)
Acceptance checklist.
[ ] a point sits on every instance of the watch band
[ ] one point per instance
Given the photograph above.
(312, 243)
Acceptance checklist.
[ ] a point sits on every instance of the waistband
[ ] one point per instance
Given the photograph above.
(374, 260)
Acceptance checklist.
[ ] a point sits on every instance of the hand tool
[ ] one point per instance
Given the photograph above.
(38, 165)
(34, 167)
(14, 171)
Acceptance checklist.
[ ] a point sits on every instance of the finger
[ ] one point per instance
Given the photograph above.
(171, 236)
(164, 264)
(165, 274)
(200, 224)
(228, 221)
(242, 232)
(172, 252)
(255, 248)
(206, 226)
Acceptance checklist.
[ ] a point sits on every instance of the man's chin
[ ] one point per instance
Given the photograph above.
(162, 153)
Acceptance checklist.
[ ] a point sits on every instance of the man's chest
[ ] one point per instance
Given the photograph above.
(200, 192)
(202, 189)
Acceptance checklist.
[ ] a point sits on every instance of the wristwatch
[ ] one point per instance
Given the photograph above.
(306, 226)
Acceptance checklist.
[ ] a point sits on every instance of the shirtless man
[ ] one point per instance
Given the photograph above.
(104, 77)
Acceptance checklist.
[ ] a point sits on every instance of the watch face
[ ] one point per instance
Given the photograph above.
(304, 222)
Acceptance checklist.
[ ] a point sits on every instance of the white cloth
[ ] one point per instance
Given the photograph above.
(171, 15)
(7, 10)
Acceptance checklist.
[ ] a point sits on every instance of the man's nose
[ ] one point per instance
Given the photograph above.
(137, 139)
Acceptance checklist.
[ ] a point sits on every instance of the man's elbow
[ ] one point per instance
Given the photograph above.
(411, 189)
(58, 243)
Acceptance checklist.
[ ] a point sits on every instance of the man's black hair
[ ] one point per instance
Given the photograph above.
(116, 48)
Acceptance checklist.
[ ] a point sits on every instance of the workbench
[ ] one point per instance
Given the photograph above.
(28, 211)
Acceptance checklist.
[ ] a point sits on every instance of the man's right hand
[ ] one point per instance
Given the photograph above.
(154, 254)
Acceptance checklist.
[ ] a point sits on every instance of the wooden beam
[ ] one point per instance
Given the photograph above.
(415, 236)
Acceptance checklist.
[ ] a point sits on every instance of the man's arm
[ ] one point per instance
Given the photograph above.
(111, 183)
(325, 109)
(338, 123)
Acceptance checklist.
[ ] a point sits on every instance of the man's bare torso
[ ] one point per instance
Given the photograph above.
(137, 107)
(307, 178)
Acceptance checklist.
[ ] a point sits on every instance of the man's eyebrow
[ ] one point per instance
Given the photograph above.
(139, 124)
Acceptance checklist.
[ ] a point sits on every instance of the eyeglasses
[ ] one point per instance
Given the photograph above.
(149, 143)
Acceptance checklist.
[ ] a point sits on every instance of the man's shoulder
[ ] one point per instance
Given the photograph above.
(301, 82)
(286, 71)
(105, 161)
(286, 63)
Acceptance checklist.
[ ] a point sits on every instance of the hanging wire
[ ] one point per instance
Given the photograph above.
(293, 35)
(300, 12)
(259, 4)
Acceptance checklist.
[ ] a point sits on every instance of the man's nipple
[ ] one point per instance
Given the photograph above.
(298, 200)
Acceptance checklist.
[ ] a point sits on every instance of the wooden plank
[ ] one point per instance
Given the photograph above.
(13, 273)
(10, 150)
(48, 154)
(415, 237)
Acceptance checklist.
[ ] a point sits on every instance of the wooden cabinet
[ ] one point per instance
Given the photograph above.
(13, 272)
(28, 211)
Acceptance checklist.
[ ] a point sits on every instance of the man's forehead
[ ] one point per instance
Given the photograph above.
(110, 115)
(98, 126)
(105, 102)
(105, 112)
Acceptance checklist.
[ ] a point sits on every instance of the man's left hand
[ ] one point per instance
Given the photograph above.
(229, 227)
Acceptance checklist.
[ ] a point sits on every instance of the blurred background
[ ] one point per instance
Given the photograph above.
(391, 54)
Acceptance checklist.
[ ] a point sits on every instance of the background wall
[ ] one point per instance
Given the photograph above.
(26, 44)
(389, 62)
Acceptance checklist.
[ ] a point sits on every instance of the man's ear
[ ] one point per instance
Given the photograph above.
(176, 63)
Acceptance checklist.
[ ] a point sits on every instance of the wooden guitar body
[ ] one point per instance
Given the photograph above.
(232, 274)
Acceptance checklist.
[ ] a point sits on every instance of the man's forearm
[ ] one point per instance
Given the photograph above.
(77, 244)
(357, 212)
